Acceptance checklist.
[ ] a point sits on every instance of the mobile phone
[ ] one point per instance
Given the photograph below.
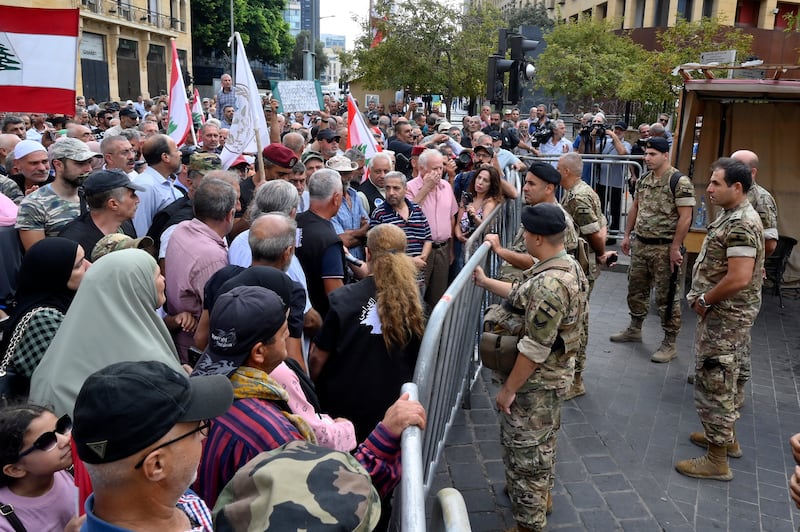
(194, 356)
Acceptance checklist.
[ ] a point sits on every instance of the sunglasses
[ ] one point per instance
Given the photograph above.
(202, 429)
(49, 440)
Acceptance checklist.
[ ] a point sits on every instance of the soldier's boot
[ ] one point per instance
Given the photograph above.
(577, 388)
(632, 334)
(549, 508)
(667, 351)
(713, 465)
(734, 450)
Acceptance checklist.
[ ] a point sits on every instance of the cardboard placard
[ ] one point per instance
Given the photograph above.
(294, 96)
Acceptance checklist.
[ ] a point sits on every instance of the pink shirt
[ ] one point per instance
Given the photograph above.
(46, 513)
(439, 207)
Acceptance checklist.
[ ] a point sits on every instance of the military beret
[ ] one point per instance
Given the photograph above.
(543, 219)
(545, 172)
(658, 143)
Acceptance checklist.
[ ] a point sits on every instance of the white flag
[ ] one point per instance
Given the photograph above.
(249, 115)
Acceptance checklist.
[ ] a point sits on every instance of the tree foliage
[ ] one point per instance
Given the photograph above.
(653, 81)
(585, 60)
(264, 33)
(295, 65)
(472, 47)
(530, 15)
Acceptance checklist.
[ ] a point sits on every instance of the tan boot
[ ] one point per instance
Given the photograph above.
(666, 352)
(549, 508)
(713, 465)
(699, 438)
(632, 334)
(577, 388)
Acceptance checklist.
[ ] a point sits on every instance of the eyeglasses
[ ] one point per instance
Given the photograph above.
(416, 136)
(202, 429)
(49, 440)
(664, 120)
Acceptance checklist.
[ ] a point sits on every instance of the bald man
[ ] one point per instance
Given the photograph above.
(762, 201)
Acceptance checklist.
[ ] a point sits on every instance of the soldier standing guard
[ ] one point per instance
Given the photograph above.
(553, 295)
(660, 215)
(726, 294)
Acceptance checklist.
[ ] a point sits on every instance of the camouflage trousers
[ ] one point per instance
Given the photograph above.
(528, 436)
(650, 267)
(744, 373)
(580, 357)
(719, 344)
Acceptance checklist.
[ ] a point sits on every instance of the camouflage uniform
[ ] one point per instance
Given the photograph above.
(657, 219)
(583, 205)
(722, 336)
(10, 188)
(553, 296)
(44, 210)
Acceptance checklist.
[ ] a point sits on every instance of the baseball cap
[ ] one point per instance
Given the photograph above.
(118, 241)
(321, 485)
(239, 160)
(487, 149)
(417, 150)
(545, 172)
(657, 143)
(327, 134)
(103, 180)
(69, 148)
(340, 163)
(494, 134)
(233, 330)
(126, 407)
(544, 219)
(204, 162)
(443, 127)
(129, 112)
(26, 147)
(621, 124)
(280, 155)
(311, 154)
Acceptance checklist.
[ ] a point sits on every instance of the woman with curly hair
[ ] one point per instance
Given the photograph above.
(482, 196)
(368, 344)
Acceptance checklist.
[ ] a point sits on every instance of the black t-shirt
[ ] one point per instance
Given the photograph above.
(316, 236)
(178, 211)
(360, 379)
(247, 189)
(84, 231)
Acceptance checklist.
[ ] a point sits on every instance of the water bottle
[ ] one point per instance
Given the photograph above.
(700, 221)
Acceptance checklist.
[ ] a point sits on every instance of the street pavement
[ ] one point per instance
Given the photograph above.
(618, 444)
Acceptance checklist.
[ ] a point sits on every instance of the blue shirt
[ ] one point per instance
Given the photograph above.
(159, 192)
(189, 503)
(349, 218)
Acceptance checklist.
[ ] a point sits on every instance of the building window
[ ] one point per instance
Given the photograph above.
(747, 14)
(662, 13)
(638, 16)
(709, 8)
(685, 8)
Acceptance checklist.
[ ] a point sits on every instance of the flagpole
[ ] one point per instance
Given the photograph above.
(262, 177)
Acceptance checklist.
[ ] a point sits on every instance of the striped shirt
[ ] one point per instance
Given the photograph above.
(416, 228)
(252, 426)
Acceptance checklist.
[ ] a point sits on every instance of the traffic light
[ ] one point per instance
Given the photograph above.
(521, 70)
(495, 81)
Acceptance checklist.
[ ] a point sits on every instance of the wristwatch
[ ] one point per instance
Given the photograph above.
(702, 302)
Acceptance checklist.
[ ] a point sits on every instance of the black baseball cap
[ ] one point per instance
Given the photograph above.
(544, 219)
(130, 113)
(126, 407)
(240, 319)
(104, 180)
(327, 134)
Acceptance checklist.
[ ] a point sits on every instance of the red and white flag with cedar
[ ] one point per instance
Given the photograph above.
(180, 115)
(198, 116)
(38, 59)
(359, 135)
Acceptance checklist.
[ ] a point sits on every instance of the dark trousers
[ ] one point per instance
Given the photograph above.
(611, 204)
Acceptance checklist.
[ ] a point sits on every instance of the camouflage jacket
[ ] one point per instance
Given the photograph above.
(658, 207)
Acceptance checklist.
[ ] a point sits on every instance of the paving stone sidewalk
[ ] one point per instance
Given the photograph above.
(618, 444)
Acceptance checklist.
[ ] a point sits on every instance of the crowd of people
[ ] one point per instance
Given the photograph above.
(194, 323)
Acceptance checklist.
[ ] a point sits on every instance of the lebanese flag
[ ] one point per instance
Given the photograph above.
(38, 59)
(359, 135)
(180, 115)
(197, 109)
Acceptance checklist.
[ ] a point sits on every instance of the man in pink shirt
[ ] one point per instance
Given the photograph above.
(196, 250)
(435, 196)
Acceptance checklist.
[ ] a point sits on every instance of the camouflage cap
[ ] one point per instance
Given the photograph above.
(69, 148)
(321, 488)
(204, 162)
(118, 241)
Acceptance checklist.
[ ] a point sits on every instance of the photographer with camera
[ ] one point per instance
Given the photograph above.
(553, 142)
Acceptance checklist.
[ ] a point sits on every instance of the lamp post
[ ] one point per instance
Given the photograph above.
(309, 53)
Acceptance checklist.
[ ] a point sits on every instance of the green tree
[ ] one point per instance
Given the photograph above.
(585, 60)
(530, 15)
(295, 65)
(264, 33)
(652, 80)
(472, 47)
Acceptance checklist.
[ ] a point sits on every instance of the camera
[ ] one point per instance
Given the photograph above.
(463, 161)
(466, 198)
(586, 130)
(599, 130)
(541, 136)
(642, 143)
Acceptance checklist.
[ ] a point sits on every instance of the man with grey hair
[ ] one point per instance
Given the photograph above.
(118, 154)
(357, 156)
(371, 192)
(319, 248)
(209, 137)
(80, 132)
(195, 251)
(435, 196)
(295, 142)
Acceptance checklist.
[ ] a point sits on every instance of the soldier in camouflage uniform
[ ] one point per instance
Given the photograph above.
(726, 294)
(660, 219)
(553, 295)
(49, 209)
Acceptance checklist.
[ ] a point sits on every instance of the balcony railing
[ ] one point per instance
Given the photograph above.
(137, 15)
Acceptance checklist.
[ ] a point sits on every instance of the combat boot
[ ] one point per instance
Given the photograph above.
(734, 450)
(549, 507)
(577, 388)
(666, 352)
(632, 334)
(713, 465)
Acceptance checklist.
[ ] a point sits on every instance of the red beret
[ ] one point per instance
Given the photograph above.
(280, 155)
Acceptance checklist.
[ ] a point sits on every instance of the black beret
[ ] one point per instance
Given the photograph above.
(658, 143)
(545, 172)
(543, 219)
